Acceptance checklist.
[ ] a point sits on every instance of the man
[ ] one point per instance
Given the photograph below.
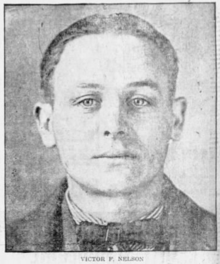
(110, 108)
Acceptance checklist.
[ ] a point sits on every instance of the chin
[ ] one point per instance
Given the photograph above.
(112, 191)
(113, 185)
(110, 181)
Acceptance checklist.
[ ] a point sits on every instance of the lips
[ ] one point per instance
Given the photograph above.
(117, 155)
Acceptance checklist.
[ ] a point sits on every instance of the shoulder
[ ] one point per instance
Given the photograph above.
(190, 226)
(36, 231)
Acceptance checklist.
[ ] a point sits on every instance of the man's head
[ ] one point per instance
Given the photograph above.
(111, 81)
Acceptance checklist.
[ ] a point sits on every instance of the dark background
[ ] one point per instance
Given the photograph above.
(32, 171)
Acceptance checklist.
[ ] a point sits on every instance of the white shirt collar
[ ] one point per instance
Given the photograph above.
(81, 216)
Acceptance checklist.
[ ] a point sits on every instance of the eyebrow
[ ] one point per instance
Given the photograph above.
(143, 83)
(148, 82)
(90, 85)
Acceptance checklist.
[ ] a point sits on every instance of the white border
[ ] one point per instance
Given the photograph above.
(205, 257)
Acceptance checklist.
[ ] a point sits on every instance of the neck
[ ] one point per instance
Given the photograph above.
(120, 208)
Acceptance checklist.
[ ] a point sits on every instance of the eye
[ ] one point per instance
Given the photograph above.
(139, 102)
(87, 102)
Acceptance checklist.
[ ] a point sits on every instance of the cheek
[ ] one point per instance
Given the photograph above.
(73, 133)
(154, 133)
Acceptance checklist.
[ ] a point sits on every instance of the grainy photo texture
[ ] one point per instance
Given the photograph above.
(117, 85)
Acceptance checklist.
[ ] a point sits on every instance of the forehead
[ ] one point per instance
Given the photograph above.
(110, 59)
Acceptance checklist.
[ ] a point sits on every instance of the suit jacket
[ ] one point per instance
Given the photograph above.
(183, 225)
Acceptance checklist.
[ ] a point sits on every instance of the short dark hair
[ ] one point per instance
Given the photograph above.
(117, 23)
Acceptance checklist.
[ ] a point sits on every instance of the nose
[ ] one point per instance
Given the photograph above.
(113, 121)
(114, 134)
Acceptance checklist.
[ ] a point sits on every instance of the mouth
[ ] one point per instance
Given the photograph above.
(121, 155)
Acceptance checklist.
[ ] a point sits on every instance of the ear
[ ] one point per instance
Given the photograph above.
(179, 110)
(43, 115)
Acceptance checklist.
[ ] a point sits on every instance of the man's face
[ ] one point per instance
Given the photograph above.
(112, 114)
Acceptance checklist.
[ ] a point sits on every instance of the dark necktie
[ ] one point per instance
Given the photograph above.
(145, 235)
